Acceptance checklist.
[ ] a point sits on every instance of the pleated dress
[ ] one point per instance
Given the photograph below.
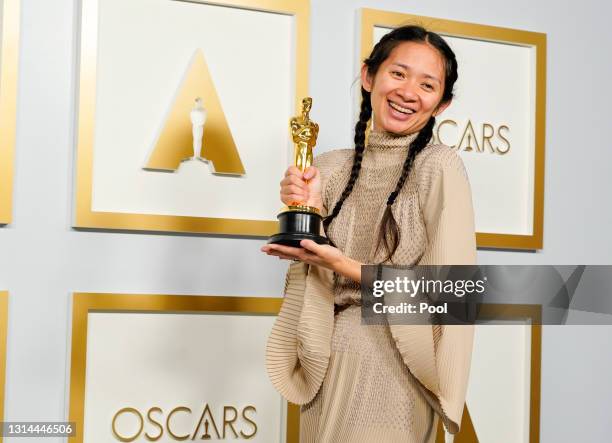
(377, 383)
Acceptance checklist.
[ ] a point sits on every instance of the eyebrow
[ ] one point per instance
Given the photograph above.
(407, 68)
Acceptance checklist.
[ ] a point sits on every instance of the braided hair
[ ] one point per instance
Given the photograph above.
(360, 132)
(389, 234)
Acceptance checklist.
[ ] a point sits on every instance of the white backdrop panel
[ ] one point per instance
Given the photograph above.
(142, 360)
(499, 386)
(139, 69)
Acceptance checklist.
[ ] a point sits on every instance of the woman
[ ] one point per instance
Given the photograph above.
(395, 199)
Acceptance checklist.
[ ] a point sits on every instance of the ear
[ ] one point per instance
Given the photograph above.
(366, 80)
(441, 107)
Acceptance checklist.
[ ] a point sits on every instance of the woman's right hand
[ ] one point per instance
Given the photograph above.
(303, 188)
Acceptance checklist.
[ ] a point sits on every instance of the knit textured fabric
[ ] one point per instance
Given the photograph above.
(384, 383)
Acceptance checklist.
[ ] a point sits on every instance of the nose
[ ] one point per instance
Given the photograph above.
(407, 91)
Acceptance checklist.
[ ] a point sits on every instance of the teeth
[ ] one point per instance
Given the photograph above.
(401, 109)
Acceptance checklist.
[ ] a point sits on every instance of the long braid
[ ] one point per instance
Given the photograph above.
(389, 234)
(360, 131)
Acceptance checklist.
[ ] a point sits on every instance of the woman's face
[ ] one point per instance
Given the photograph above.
(407, 89)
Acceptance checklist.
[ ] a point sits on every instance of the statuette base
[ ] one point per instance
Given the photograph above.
(298, 224)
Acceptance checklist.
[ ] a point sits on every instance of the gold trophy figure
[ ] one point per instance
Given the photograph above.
(298, 221)
(304, 132)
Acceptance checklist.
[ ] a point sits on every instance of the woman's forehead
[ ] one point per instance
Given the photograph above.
(417, 56)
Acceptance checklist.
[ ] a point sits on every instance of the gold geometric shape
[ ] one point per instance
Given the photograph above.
(174, 144)
(467, 434)
(84, 303)
(85, 216)
(371, 18)
(9, 59)
(3, 337)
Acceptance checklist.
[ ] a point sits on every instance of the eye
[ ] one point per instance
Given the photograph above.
(397, 74)
(428, 86)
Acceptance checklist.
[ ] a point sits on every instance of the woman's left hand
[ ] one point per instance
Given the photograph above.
(320, 255)
(311, 252)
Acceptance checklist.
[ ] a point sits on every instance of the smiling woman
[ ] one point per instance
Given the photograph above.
(384, 383)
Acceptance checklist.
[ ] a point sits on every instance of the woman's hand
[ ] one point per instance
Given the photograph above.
(319, 255)
(304, 189)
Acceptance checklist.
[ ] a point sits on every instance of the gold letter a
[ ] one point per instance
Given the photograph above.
(175, 141)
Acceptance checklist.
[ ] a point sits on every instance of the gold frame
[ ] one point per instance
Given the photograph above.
(512, 312)
(83, 303)
(85, 217)
(371, 18)
(3, 340)
(9, 60)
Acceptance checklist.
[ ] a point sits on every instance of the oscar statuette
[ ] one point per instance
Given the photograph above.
(297, 221)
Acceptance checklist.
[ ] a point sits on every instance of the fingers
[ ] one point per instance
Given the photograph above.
(283, 256)
(275, 249)
(293, 188)
(311, 246)
(294, 180)
(291, 197)
(293, 170)
(310, 172)
(288, 252)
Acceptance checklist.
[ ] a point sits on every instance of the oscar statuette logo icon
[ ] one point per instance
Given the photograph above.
(198, 118)
(297, 221)
(196, 127)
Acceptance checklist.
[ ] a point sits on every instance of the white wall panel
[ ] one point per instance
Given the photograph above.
(43, 260)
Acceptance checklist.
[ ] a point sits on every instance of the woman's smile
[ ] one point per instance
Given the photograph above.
(400, 112)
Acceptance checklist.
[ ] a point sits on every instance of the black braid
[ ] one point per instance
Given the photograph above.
(360, 131)
(389, 233)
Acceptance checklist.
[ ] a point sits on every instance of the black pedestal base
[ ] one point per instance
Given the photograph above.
(296, 226)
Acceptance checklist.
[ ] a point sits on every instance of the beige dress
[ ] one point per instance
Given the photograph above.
(382, 384)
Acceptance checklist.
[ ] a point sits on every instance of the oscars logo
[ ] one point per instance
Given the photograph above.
(491, 139)
(192, 132)
(198, 118)
(129, 424)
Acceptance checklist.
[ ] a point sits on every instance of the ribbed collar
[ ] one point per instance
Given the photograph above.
(386, 141)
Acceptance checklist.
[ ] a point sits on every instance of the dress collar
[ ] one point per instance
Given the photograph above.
(389, 141)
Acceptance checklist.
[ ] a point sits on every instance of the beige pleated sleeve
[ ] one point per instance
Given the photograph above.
(440, 356)
(299, 346)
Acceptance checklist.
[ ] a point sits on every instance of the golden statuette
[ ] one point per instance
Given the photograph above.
(304, 132)
(298, 221)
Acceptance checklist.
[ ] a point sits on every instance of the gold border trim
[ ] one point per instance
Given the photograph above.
(533, 313)
(510, 312)
(372, 17)
(85, 217)
(83, 303)
(3, 344)
(9, 54)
